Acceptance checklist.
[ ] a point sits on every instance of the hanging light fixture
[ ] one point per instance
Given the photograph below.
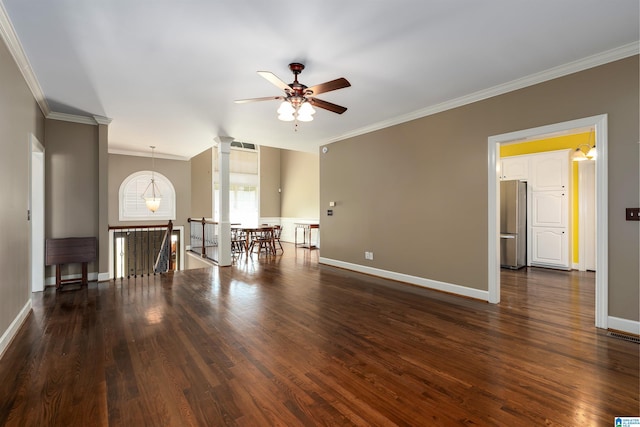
(151, 194)
(580, 156)
(296, 108)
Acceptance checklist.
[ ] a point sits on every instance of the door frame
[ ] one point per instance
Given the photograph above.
(586, 199)
(599, 123)
(36, 214)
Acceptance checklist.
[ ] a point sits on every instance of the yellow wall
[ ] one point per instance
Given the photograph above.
(550, 144)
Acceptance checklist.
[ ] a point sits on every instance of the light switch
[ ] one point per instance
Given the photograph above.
(633, 214)
(332, 204)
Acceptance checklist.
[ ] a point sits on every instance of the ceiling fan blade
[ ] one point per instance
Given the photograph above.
(328, 86)
(327, 105)
(275, 80)
(265, 98)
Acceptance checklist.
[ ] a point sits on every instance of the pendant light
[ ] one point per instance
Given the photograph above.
(151, 194)
(580, 156)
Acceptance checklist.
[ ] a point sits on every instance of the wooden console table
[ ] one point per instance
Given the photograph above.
(70, 250)
(306, 229)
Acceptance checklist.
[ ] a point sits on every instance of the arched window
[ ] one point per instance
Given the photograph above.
(132, 205)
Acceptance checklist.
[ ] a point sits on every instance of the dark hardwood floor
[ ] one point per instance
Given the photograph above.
(287, 342)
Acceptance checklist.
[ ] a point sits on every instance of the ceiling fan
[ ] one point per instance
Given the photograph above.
(299, 100)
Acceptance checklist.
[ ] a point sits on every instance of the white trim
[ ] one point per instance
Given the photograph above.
(624, 325)
(413, 280)
(36, 214)
(13, 329)
(74, 118)
(147, 154)
(8, 34)
(602, 219)
(91, 277)
(583, 206)
(602, 58)
(167, 209)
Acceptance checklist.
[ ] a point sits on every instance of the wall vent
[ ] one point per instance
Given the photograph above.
(625, 337)
(243, 145)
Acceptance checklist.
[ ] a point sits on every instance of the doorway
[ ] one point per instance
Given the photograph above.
(36, 214)
(599, 123)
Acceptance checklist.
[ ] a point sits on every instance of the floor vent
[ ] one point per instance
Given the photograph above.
(625, 337)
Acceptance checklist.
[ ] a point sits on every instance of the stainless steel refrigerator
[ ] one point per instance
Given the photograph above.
(513, 224)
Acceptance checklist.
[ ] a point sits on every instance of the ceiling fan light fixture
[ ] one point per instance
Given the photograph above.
(306, 109)
(286, 117)
(298, 98)
(286, 108)
(305, 117)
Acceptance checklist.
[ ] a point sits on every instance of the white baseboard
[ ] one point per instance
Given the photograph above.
(91, 277)
(623, 325)
(616, 323)
(12, 330)
(414, 280)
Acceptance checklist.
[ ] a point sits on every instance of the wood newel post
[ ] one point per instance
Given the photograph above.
(204, 252)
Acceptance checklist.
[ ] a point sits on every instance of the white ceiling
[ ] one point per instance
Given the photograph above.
(167, 72)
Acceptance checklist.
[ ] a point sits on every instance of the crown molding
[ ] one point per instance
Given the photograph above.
(74, 118)
(101, 120)
(8, 34)
(602, 58)
(157, 155)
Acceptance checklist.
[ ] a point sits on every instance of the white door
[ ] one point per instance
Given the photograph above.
(550, 247)
(37, 216)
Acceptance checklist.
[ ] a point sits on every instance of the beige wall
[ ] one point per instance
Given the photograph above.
(416, 194)
(202, 185)
(177, 171)
(71, 180)
(71, 184)
(20, 117)
(300, 183)
(270, 182)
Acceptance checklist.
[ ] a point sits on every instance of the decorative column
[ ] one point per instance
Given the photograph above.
(224, 224)
(103, 197)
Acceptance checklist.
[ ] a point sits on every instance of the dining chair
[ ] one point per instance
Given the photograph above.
(238, 243)
(277, 231)
(262, 241)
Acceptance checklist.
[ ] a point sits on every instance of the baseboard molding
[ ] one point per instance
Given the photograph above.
(623, 325)
(13, 329)
(91, 277)
(413, 280)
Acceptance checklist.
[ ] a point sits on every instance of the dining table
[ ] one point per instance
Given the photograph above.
(252, 230)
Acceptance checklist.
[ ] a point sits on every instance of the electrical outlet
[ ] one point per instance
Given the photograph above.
(368, 255)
